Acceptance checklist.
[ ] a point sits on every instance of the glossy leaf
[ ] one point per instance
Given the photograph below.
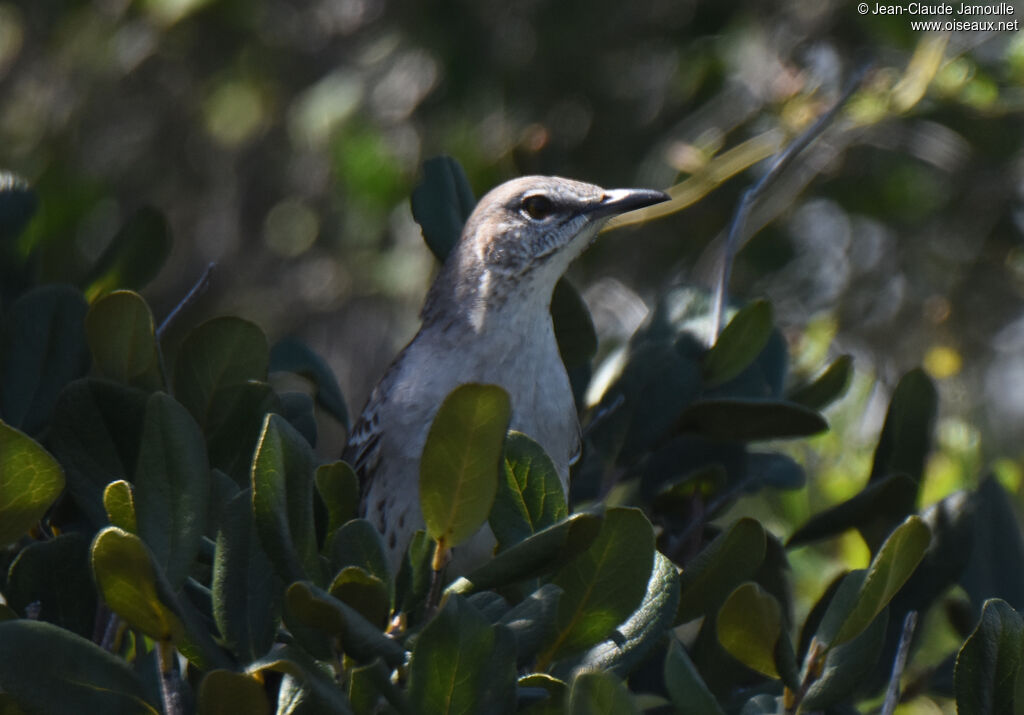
(599, 692)
(338, 487)
(828, 387)
(741, 341)
(282, 488)
(635, 638)
(30, 481)
(462, 664)
(441, 203)
(54, 577)
(460, 463)
(120, 330)
(604, 585)
(134, 256)
(745, 420)
(48, 669)
(293, 355)
(224, 692)
(42, 349)
(689, 694)
(732, 558)
(990, 663)
(530, 496)
(246, 604)
(119, 501)
(172, 486)
(219, 354)
(749, 627)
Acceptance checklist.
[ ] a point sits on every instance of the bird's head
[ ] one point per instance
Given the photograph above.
(522, 236)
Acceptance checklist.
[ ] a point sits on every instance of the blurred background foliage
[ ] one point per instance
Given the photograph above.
(282, 139)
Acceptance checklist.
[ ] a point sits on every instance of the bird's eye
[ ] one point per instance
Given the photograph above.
(538, 207)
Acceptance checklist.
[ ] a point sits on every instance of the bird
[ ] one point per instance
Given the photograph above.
(486, 319)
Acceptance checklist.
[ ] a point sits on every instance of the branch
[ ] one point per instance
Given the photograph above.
(191, 297)
(892, 693)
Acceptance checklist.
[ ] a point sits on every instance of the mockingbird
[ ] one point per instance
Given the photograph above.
(486, 319)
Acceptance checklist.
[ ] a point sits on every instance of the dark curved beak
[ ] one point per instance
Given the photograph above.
(620, 201)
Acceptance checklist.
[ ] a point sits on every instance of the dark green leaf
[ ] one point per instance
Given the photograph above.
(603, 585)
(293, 355)
(55, 575)
(297, 408)
(750, 626)
(532, 619)
(635, 638)
(689, 693)
(338, 487)
(828, 387)
(989, 665)
(47, 669)
(530, 495)
(906, 436)
(462, 664)
(412, 582)
(119, 327)
(42, 349)
(574, 328)
(220, 353)
(30, 481)
(172, 486)
(134, 256)
(460, 462)
(306, 673)
(848, 666)
(741, 341)
(553, 704)
(732, 558)
(997, 545)
(441, 203)
(282, 488)
(358, 543)
(224, 692)
(246, 604)
(119, 502)
(745, 420)
(365, 592)
(233, 425)
(597, 693)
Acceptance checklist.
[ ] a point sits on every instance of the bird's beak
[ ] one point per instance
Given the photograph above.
(620, 201)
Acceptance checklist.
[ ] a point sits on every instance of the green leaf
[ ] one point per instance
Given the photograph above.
(134, 256)
(358, 543)
(741, 341)
(828, 387)
(17, 206)
(441, 203)
(359, 638)
(557, 694)
(889, 570)
(732, 558)
(338, 487)
(128, 581)
(55, 576)
(574, 328)
(906, 436)
(689, 694)
(233, 425)
(172, 486)
(95, 435)
(597, 693)
(989, 665)
(532, 619)
(282, 488)
(848, 666)
(460, 462)
(219, 354)
(47, 669)
(42, 349)
(223, 692)
(297, 408)
(293, 355)
(119, 327)
(308, 674)
(635, 638)
(30, 481)
(541, 553)
(462, 664)
(745, 420)
(412, 583)
(530, 496)
(604, 585)
(119, 501)
(364, 592)
(750, 626)
(997, 543)
(245, 590)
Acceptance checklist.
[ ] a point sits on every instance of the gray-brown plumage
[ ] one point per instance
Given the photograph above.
(486, 319)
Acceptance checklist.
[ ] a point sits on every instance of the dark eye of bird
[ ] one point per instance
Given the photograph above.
(538, 207)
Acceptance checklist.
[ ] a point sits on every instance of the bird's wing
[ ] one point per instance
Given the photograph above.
(362, 451)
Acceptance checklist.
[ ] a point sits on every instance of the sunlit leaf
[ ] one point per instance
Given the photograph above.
(30, 480)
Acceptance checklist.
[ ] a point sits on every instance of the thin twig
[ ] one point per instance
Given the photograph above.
(751, 195)
(191, 297)
(170, 684)
(892, 693)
